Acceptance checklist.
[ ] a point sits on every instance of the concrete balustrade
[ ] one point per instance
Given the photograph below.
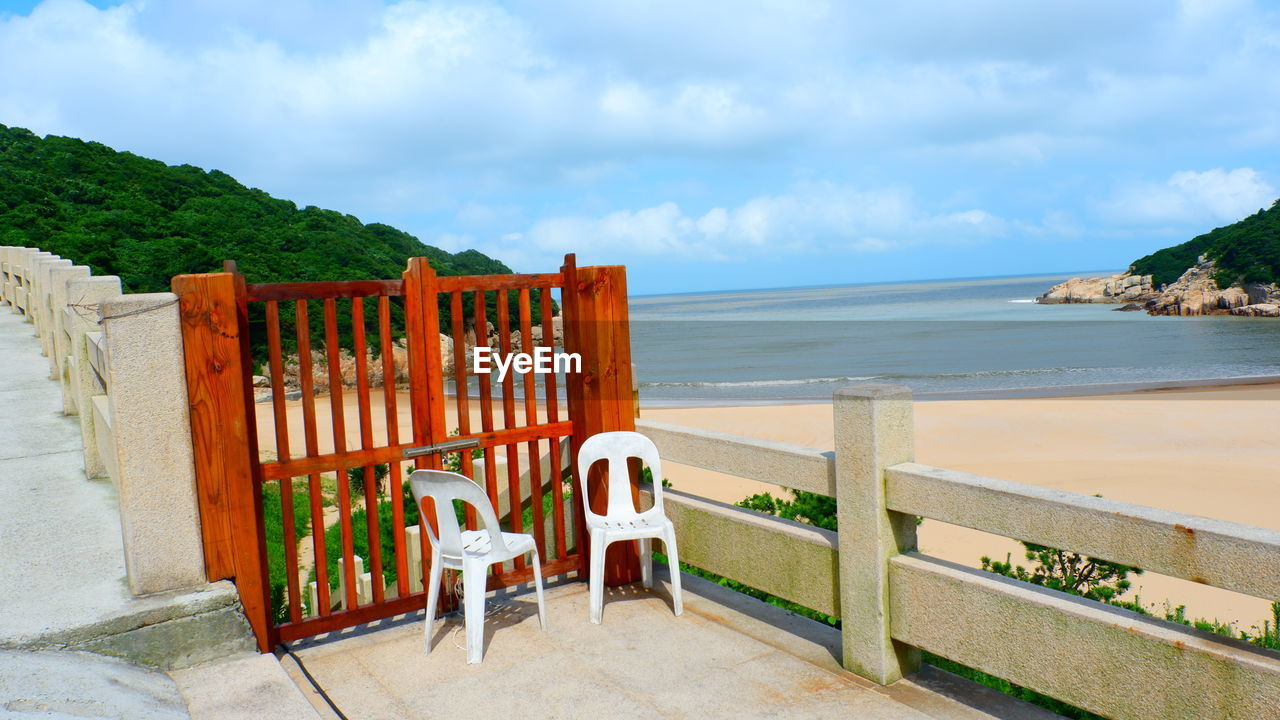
(119, 360)
(894, 602)
(41, 308)
(59, 341)
(82, 381)
(6, 280)
(147, 396)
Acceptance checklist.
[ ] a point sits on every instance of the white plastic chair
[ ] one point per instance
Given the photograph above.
(471, 551)
(622, 520)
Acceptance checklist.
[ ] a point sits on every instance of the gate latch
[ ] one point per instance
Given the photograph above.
(446, 446)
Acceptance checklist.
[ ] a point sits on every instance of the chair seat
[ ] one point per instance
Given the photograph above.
(477, 544)
(633, 527)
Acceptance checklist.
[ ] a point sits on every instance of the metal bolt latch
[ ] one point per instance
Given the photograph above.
(447, 446)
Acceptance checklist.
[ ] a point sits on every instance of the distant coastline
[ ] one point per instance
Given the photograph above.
(1052, 391)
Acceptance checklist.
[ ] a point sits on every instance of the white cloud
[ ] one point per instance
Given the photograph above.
(810, 218)
(475, 85)
(724, 129)
(1188, 196)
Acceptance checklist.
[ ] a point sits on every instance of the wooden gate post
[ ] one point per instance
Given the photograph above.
(598, 328)
(215, 343)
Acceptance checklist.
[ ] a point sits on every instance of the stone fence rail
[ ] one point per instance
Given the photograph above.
(894, 602)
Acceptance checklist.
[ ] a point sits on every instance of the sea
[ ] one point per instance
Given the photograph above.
(975, 337)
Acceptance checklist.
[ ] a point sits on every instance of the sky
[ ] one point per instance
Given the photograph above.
(705, 145)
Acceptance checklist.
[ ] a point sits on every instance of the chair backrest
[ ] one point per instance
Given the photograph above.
(616, 447)
(445, 487)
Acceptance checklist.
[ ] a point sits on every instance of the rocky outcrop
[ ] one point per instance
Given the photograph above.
(1123, 288)
(1197, 293)
(1258, 310)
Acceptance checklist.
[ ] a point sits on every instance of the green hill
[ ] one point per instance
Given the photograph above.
(146, 221)
(1246, 251)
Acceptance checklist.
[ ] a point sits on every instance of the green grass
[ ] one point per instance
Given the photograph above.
(273, 519)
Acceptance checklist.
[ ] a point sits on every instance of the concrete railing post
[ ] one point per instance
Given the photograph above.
(17, 264)
(147, 396)
(82, 379)
(23, 289)
(45, 295)
(36, 299)
(873, 430)
(59, 344)
(6, 257)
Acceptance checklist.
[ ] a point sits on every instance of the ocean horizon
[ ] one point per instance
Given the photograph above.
(968, 337)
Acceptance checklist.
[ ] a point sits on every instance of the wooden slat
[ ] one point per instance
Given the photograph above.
(282, 452)
(531, 418)
(437, 426)
(472, 283)
(306, 382)
(461, 400)
(509, 421)
(366, 443)
(486, 400)
(334, 358)
(320, 290)
(393, 438)
(277, 381)
(553, 415)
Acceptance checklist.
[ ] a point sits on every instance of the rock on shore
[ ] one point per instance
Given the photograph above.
(1123, 288)
(1197, 293)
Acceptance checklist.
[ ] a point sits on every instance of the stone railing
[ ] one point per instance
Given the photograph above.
(118, 358)
(894, 601)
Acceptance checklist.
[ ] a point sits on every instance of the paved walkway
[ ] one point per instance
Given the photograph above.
(62, 564)
(63, 573)
(727, 656)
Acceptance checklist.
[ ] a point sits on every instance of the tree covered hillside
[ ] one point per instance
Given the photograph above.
(146, 221)
(1246, 251)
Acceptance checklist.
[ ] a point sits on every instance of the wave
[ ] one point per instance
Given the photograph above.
(1021, 372)
(761, 383)
(857, 378)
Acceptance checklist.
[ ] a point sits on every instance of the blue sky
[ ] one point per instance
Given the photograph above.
(704, 145)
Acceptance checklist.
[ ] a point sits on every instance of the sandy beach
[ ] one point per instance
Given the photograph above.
(1212, 452)
(1206, 451)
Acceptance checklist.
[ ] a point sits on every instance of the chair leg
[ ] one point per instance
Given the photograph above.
(646, 562)
(596, 580)
(433, 601)
(537, 587)
(673, 562)
(473, 587)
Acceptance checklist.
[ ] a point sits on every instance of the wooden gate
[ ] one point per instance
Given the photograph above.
(317, 527)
